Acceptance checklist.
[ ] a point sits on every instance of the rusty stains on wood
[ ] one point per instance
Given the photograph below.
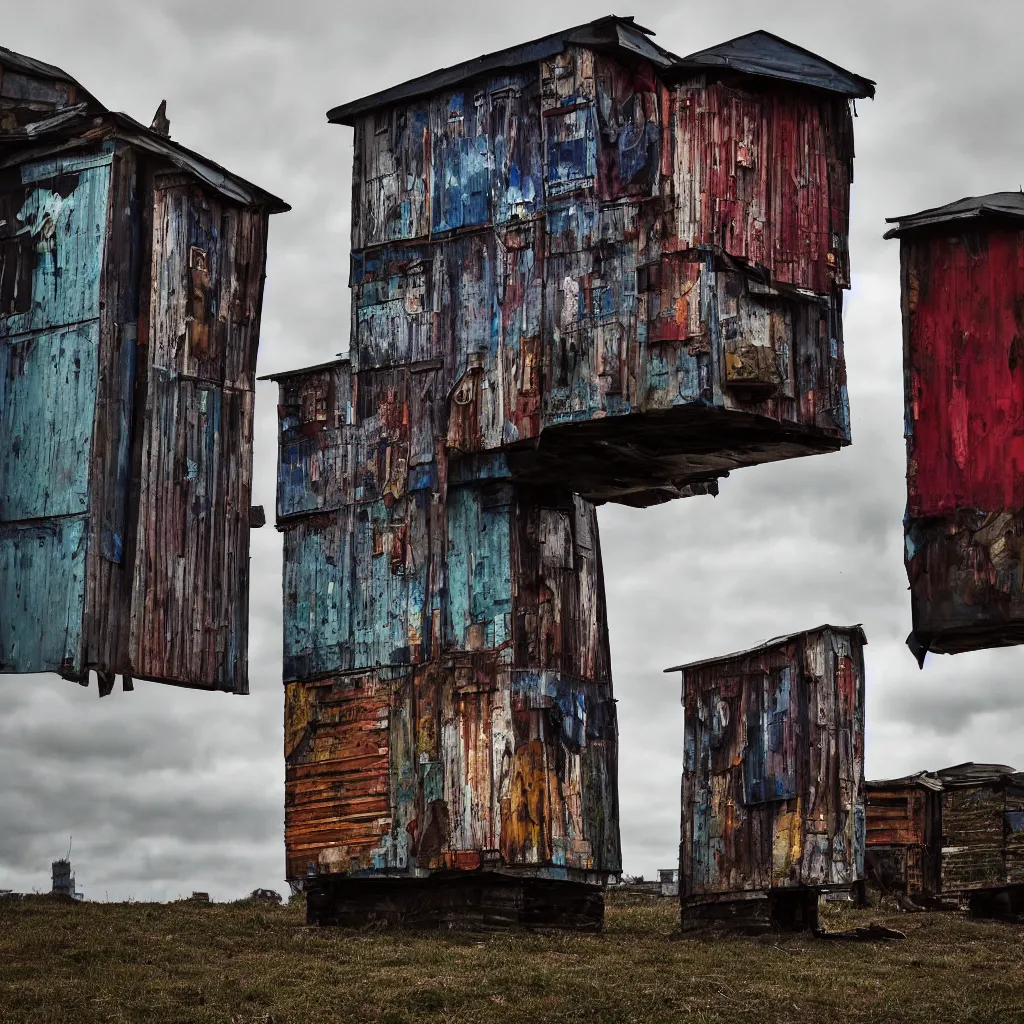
(131, 282)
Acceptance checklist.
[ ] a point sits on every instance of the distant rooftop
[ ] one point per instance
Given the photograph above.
(758, 53)
(996, 206)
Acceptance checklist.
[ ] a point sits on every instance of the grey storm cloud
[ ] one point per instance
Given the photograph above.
(166, 790)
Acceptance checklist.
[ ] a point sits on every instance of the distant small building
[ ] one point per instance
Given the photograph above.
(64, 880)
(773, 780)
(904, 834)
(955, 833)
(962, 283)
(668, 878)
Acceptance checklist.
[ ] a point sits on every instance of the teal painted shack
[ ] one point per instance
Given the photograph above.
(131, 284)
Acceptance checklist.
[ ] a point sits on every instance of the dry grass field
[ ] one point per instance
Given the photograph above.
(191, 963)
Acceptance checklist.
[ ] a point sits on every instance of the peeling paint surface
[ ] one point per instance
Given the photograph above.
(773, 767)
(964, 377)
(131, 281)
(566, 289)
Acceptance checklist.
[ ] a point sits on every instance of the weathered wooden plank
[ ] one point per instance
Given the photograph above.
(42, 595)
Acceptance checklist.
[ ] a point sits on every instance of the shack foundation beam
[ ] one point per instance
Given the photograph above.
(477, 902)
(784, 910)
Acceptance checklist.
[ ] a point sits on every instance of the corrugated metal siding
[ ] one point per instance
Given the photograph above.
(774, 768)
(964, 372)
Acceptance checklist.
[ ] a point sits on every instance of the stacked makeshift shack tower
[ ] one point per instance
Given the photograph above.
(962, 269)
(583, 270)
(955, 834)
(131, 281)
(773, 780)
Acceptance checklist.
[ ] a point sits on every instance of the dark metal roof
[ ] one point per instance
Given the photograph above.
(91, 115)
(219, 178)
(283, 374)
(757, 53)
(768, 645)
(769, 56)
(997, 205)
(31, 66)
(611, 32)
(969, 772)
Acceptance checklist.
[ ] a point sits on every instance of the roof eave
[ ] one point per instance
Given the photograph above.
(775, 641)
(612, 32)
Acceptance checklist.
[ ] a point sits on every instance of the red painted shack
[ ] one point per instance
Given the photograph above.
(962, 278)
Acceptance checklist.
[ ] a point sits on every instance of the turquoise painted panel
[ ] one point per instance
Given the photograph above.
(42, 595)
(47, 403)
(389, 593)
(317, 597)
(479, 566)
(61, 226)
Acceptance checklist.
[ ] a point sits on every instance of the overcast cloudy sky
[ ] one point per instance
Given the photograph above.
(166, 791)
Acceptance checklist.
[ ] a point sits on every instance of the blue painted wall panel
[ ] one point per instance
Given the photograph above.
(63, 220)
(47, 404)
(42, 595)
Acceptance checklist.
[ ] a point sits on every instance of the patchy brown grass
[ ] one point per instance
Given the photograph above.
(185, 963)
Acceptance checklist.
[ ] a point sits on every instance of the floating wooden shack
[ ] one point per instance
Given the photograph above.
(962, 274)
(584, 270)
(773, 780)
(131, 281)
(957, 833)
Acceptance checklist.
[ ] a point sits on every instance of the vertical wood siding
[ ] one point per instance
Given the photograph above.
(773, 768)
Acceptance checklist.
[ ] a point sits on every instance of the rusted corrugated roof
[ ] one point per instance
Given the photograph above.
(777, 641)
(997, 205)
(769, 56)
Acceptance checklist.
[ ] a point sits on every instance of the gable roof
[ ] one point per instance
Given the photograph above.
(88, 120)
(757, 53)
(770, 56)
(995, 206)
(609, 33)
(778, 641)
